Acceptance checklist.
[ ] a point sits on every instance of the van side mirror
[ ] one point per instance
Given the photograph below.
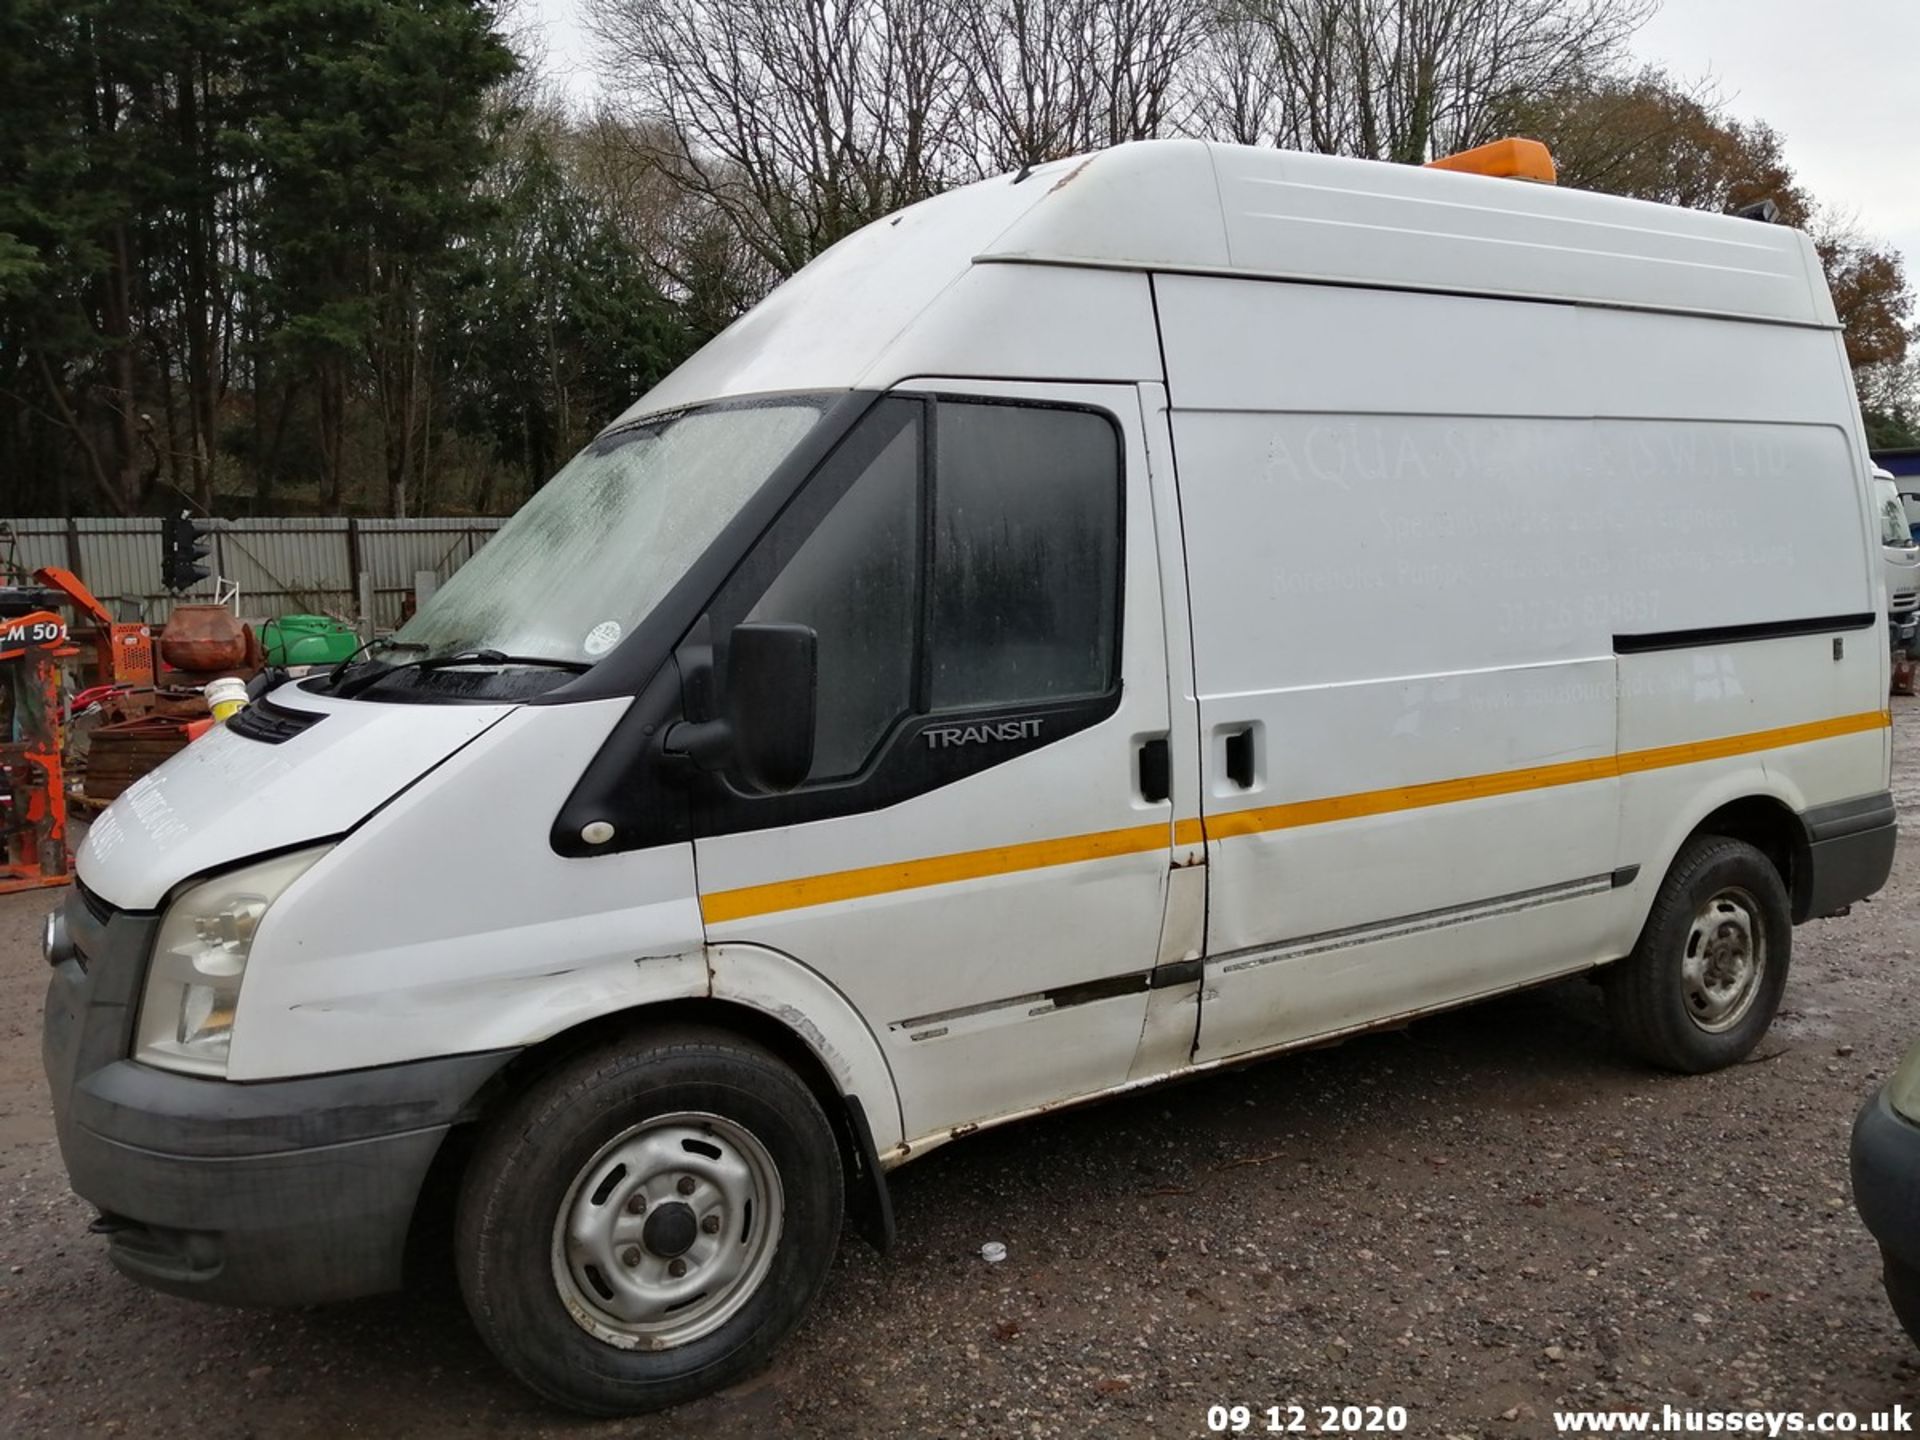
(773, 674)
(767, 728)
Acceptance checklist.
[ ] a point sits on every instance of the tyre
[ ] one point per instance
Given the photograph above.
(1903, 1290)
(1705, 980)
(647, 1223)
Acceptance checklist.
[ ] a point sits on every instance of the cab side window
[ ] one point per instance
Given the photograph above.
(856, 581)
(1026, 555)
(972, 564)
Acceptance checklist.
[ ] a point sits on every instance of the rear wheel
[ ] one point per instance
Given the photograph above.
(648, 1222)
(1705, 980)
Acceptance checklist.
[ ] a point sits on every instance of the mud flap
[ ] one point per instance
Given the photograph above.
(869, 1202)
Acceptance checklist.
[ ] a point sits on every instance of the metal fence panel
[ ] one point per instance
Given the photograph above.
(34, 543)
(287, 566)
(282, 565)
(394, 551)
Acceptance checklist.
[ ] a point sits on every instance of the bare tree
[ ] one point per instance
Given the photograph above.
(1396, 79)
(1045, 80)
(694, 253)
(1029, 90)
(1234, 91)
(792, 122)
(797, 121)
(761, 131)
(1144, 52)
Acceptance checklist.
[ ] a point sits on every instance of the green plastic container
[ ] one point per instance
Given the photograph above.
(307, 640)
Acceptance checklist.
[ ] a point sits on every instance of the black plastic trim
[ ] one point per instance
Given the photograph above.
(1180, 972)
(1240, 758)
(1848, 854)
(301, 1227)
(98, 906)
(1156, 769)
(1107, 987)
(1625, 876)
(1733, 634)
(651, 799)
(1885, 1161)
(625, 785)
(188, 1116)
(871, 1204)
(272, 724)
(906, 766)
(1849, 817)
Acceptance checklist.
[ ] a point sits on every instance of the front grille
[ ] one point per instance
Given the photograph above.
(96, 907)
(272, 724)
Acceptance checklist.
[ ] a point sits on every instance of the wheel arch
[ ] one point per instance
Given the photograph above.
(757, 995)
(1752, 804)
(1772, 827)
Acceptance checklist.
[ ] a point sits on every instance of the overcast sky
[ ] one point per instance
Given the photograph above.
(1835, 78)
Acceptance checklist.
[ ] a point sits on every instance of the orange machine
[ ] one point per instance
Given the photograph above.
(123, 652)
(33, 794)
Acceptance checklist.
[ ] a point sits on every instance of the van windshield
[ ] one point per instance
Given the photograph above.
(601, 543)
(1893, 515)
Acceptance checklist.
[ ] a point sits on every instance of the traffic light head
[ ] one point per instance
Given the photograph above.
(183, 545)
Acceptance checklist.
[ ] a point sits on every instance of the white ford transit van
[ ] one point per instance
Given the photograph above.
(1900, 556)
(981, 679)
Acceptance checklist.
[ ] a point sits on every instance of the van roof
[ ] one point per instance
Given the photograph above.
(1194, 205)
(903, 296)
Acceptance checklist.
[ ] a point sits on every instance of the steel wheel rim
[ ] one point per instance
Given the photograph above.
(1724, 964)
(691, 1193)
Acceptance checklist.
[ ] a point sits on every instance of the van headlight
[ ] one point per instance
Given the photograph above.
(199, 960)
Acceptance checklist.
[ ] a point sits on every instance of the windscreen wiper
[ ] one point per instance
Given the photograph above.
(333, 675)
(464, 657)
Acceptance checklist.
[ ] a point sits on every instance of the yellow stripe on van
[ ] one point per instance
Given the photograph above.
(938, 870)
(1539, 777)
(1695, 751)
(798, 894)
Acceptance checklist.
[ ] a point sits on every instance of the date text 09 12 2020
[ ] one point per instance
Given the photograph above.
(1307, 1420)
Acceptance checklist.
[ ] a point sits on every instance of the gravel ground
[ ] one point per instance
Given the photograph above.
(1483, 1218)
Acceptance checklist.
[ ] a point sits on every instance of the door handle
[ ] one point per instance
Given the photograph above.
(1156, 770)
(1240, 758)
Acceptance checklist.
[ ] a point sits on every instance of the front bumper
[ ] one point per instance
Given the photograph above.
(1886, 1179)
(285, 1192)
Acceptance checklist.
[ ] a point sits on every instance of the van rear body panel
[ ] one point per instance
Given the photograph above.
(1431, 539)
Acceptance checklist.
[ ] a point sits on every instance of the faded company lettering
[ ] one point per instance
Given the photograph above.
(939, 737)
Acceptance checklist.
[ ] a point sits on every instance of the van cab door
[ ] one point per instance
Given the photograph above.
(978, 858)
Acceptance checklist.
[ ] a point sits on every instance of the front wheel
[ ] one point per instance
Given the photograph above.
(1703, 983)
(646, 1223)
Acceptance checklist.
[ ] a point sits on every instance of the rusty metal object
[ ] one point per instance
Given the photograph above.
(207, 640)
